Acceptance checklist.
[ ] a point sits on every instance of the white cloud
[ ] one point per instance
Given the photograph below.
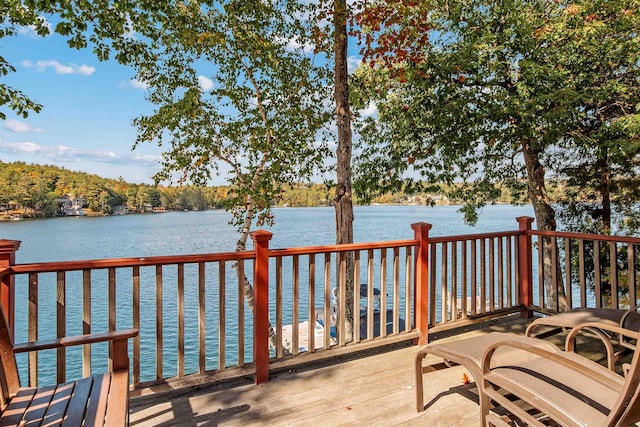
(205, 83)
(371, 110)
(294, 44)
(60, 68)
(18, 126)
(139, 84)
(63, 153)
(353, 62)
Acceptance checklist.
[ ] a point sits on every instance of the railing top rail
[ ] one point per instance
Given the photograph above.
(461, 237)
(308, 250)
(129, 262)
(583, 236)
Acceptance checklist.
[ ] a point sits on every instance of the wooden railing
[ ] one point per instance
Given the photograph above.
(590, 270)
(195, 318)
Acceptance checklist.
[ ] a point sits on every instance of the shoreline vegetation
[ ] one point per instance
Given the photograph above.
(40, 191)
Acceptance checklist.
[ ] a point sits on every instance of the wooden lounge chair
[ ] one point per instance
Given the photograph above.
(566, 320)
(468, 352)
(560, 388)
(95, 401)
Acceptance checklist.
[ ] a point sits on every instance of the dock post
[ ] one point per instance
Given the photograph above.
(421, 311)
(261, 305)
(8, 249)
(525, 266)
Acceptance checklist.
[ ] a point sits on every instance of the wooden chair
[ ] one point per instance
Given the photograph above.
(561, 388)
(94, 401)
(566, 320)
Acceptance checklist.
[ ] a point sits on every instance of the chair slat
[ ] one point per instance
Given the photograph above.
(16, 409)
(59, 403)
(97, 406)
(78, 403)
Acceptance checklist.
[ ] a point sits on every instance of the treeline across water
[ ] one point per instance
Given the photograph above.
(36, 191)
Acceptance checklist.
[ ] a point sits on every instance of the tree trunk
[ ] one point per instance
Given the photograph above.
(546, 220)
(343, 201)
(241, 245)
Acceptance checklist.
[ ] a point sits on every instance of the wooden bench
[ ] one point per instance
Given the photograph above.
(94, 401)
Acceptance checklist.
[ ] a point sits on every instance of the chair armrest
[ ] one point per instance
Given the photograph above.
(627, 313)
(571, 337)
(124, 334)
(561, 358)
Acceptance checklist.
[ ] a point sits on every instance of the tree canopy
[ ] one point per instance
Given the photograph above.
(497, 93)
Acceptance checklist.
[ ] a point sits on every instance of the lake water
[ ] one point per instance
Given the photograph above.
(176, 233)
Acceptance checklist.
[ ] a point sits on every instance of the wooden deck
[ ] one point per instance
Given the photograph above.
(378, 389)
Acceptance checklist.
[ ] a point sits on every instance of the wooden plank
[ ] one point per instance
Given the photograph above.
(202, 321)
(454, 280)
(61, 325)
(356, 298)
(39, 404)
(474, 281)
(408, 290)
(500, 283)
(58, 408)
(567, 271)
(112, 310)
(295, 272)
(444, 296)
(33, 328)
(327, 300)
(492, 275)
(13, 413)
(465, 287)
(342, 298)
(136, 324)
(117, 406)
(516, 258)
(86, 321)
(483, 276)
(222, 315)
(370, 284)
(78, 403)
(541, 272)
(432, 284)
(241, 282)
(180, 296)
(396, 290)
(312, 302)
(279, 303)
(509, 274)
(554, 272)
(97, 406)
(631, 274)
(583, 280)
(159, 335)
(613, 273)
(597, 273)
(383, 292)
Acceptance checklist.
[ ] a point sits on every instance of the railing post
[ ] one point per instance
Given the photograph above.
(525, 265)
(261, 305)
(421, 312)
(8, 249)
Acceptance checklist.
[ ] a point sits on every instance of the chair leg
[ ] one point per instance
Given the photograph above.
(419, 386)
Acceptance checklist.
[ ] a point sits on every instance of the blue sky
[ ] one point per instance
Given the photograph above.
(85, 124)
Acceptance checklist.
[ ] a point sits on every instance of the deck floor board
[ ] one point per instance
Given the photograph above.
(377, 390)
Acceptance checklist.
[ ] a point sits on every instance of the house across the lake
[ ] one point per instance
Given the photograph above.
(71, 206)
